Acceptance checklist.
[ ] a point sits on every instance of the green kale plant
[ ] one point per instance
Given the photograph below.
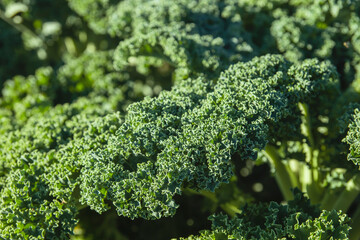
(140, 119)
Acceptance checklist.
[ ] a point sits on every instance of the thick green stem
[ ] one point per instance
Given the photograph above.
(281, 174)
(21, 28)
(304, 108)
(329, 199)
(207, 194)
(304, 176)
(292, 167)
(348, 195)
(229, 208)
(313, 180)
(70, 46)
(355, 225)
(306, 129)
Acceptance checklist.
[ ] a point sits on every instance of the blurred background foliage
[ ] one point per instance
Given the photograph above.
(106, 54)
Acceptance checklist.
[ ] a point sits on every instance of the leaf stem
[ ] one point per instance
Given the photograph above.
(355, 225)
(312, 187)
(21, 28)
(329, 199)
(229, 208)
(348, 195)
(281, 174)
(306, 128)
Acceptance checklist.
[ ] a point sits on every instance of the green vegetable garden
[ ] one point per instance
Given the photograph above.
(180, 119)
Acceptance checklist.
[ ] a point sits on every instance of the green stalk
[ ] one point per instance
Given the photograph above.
(229, 208)
(293, 172)
(348, 195)
(281, 174)
(70, 46)
(21, 28)
(330, 199)
(312, 186)
(304, 176)
(304, 108)
(355, 231)
(306, 128)
(207, 194)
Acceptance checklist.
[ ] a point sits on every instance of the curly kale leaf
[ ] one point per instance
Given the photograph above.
(194, 36)
(297, 219)
(82, 155)
(205, 37)
(186, 136)
(42, 141)
(40, 169)
(353, 136)
(28, 209)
